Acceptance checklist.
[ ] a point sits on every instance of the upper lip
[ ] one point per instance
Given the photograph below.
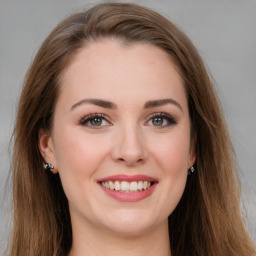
(129, 178)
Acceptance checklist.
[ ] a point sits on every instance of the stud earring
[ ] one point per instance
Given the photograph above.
(48, 166)
(191, 170)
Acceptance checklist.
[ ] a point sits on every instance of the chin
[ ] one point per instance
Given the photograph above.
(132, 222)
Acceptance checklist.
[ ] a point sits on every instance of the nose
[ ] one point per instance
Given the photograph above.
(129, 146)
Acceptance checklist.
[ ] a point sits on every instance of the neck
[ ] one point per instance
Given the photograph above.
(92, 242)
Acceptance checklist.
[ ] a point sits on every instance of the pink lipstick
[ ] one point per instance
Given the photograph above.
(126, 188)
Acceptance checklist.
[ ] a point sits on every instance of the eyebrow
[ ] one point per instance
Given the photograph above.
(162, 102)
(111, 105)
(97, 102)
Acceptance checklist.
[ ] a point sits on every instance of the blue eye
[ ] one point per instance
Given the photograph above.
(161, 120)
(94, 121)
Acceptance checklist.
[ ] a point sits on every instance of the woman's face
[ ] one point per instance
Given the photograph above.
(121, 137)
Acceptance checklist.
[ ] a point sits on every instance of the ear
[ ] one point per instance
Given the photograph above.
(192, 157)
(46, 147)
(192, 152)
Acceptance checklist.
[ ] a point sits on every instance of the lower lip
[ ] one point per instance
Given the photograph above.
(130, 197)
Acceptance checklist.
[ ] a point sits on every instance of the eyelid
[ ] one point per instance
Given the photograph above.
(168, 117)
(84, 119)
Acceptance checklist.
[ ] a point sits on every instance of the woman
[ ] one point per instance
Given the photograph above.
(120, 144)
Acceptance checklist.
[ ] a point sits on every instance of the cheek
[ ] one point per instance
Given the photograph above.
(172, 154)
(77, 154)
(78, 158)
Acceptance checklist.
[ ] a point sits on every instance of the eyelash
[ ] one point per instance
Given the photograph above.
(165, 117)
(85, 120)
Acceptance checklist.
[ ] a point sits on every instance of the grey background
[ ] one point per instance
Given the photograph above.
(223, 31)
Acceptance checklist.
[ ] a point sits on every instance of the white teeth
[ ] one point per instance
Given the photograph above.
(125, 186)
(117, 185)
(106, 184)
(111, 185)
(140, 185)
(134, 186)
(146, 184)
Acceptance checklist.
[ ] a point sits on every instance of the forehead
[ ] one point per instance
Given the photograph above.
(107, 67)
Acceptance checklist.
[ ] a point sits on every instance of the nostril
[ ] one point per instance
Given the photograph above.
(130, 161)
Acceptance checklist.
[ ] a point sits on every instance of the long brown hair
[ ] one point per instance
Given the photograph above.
(207, 220)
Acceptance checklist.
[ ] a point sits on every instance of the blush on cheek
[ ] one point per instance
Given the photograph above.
(173, 159)
(80, 155)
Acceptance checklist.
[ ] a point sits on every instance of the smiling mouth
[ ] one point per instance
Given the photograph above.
(127, 187)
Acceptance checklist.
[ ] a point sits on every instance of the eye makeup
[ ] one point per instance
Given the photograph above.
(99, 120)
(95, 121)
(161, 120)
